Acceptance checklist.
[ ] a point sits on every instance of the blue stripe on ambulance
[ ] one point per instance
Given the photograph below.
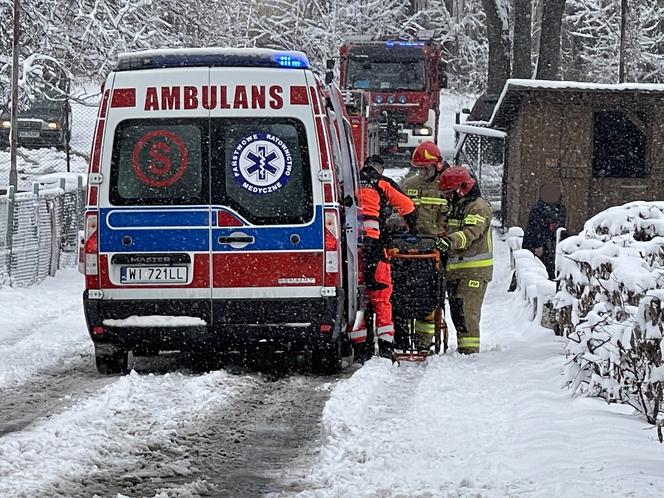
(158, 218)
(275, 238)
(156, 230)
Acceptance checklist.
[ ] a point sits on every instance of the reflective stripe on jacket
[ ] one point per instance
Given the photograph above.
(431, 206)
(469, 230)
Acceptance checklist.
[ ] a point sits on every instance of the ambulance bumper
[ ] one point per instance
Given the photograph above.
(217, 324)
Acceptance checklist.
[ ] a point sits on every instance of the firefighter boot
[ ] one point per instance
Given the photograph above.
(385, 349)
(424, 333)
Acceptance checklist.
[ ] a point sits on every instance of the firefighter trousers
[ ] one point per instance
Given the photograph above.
(465, 297)
(379, 288)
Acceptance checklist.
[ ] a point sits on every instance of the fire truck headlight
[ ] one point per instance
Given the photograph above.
(6, 124)
(423, 131)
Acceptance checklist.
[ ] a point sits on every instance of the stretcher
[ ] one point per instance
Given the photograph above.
(418, 292)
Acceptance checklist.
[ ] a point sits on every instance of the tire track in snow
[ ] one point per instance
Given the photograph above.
(48, 393)
(168, 435)
(242, 450)
(107, 441)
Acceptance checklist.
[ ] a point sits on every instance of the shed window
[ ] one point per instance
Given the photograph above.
(619, 145)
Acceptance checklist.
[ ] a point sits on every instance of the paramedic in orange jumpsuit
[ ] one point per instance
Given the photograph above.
(377, 193)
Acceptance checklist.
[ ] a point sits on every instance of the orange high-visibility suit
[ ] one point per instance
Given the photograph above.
(377, 193)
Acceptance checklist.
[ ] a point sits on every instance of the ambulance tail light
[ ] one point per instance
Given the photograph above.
(332, 248)
(91, 250)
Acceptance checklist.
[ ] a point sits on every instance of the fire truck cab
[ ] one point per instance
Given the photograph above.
(396, 85)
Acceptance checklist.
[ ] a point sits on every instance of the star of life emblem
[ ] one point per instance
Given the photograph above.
(261, 163)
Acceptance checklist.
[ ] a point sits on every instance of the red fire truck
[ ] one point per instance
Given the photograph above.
(392, 91)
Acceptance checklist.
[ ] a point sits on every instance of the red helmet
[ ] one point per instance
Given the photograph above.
(426, 154)
(458, 179)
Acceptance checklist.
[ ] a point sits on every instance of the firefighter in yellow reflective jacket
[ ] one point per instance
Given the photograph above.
(432, 207)
(467, 241)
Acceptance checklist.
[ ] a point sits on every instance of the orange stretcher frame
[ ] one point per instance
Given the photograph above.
(441, 333)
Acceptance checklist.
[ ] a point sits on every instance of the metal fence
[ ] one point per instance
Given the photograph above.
(486, 156)
(39, 231)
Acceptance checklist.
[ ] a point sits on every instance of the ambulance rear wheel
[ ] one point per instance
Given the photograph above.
(112, 363)
(326, 359)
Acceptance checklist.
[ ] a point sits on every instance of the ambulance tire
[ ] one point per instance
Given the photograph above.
(326, 359)
(202, 361)
(113, 363)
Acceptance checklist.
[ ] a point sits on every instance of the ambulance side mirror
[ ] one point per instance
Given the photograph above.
(329, 74)
(442, 74)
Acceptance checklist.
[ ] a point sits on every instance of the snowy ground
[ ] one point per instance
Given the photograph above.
(493, 425)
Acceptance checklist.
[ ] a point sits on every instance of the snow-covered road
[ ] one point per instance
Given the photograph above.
(67, 431)
(492, 425)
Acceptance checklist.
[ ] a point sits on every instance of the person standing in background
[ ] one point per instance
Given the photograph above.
(546, 216)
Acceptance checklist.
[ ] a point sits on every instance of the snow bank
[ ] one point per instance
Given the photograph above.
(532, 280)
(156, 321)
(610, 307)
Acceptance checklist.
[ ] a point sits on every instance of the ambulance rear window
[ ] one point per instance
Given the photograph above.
(160, 162)
(260, 167)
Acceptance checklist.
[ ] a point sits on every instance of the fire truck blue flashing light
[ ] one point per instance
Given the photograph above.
(291, 60)
(379, 99)
(403, 99)
(390, 99)
(397, 43)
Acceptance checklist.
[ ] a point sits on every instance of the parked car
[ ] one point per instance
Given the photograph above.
(46, 123)
(482, 108)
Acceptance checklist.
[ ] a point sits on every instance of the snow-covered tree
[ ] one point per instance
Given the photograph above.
(591, 41)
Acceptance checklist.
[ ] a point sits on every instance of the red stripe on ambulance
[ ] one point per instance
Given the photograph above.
(314, 100)
(175, 98)
(276, 269)
(123, 97)
(298, 95)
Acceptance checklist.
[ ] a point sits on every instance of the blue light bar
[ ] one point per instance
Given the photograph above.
(291, 59)
(213, 57)
(398, 43)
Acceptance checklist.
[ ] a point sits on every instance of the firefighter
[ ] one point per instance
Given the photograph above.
(432, 207)
(468, 244)
(378, 193)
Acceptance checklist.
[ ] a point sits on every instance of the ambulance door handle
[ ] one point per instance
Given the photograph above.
(239, 239)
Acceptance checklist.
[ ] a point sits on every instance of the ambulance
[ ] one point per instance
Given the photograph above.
(222, 210)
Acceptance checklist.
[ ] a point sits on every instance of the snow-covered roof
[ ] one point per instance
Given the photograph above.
(514, 89)
(479, 130)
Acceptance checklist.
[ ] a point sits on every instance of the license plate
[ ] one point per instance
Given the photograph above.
(28, 134)
(153, 274)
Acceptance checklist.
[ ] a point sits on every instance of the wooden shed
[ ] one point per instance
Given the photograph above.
(602, 143)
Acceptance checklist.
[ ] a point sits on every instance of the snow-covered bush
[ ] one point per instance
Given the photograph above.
(609, 305)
